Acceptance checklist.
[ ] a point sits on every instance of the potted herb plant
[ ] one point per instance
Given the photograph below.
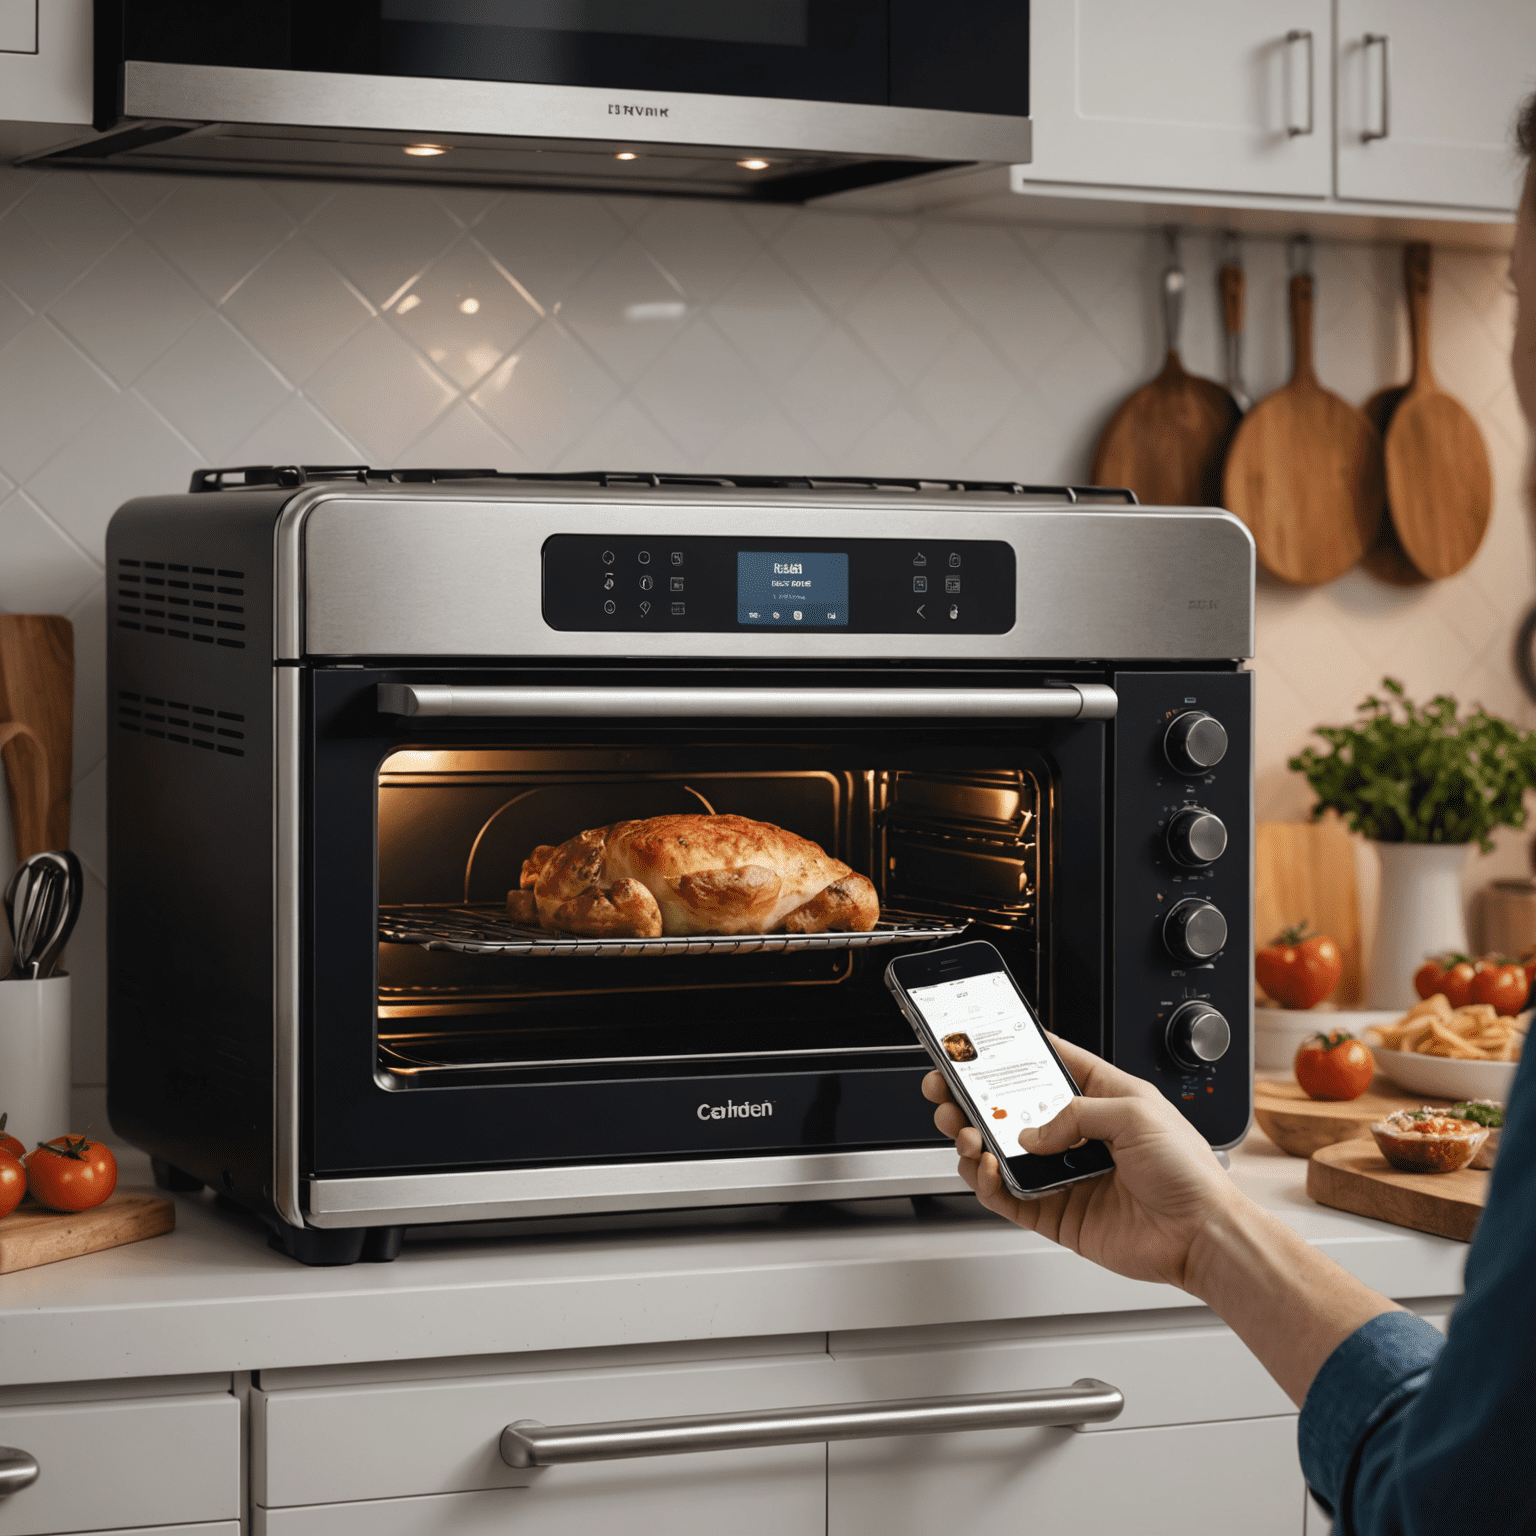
(1423, 783)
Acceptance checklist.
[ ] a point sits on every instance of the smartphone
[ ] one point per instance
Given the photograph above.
(969, 1013)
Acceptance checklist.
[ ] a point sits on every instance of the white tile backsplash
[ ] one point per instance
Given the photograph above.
(149, 324)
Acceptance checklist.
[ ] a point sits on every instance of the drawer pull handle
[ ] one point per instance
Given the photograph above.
(1085, 701)
(18, 1470)
(527, 1443)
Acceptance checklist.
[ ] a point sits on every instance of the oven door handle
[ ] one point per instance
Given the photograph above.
(1078, 701)
(527, 1443)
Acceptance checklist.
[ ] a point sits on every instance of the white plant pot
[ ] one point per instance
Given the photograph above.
(1419, 914)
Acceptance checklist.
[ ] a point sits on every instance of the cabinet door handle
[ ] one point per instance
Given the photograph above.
(1084, 701)
(1371, 40)
(527, 1443)
(18, 1470)
(1302, 35)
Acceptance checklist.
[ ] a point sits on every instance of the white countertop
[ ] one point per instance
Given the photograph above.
(211, 1296)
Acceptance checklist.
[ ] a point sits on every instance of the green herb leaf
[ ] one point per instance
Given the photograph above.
(1408, 773)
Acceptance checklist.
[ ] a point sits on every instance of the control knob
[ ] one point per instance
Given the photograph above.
(1198, 1035)
(1194, 742)
(1196, 836)
(1194, 930)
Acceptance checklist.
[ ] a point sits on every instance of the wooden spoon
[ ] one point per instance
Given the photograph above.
(1439, 485)
(1166, 442)
(1305, 470)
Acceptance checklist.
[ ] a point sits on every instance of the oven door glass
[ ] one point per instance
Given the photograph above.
(451, 1024)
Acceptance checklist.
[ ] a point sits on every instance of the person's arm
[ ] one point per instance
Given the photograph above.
(1169, 1212)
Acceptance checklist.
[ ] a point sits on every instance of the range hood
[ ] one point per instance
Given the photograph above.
(604, 95)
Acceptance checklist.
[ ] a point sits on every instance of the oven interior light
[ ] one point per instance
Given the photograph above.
(426, 149)
(626, 154)
(754, 164)
(469, 306)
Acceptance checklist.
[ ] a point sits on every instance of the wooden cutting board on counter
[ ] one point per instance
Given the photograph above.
(1353, 1176)
(1300, 1126)
(30, 1235)
(1304, 872)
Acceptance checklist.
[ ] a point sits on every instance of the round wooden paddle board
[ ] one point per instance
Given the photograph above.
(1168, 440)
(1305, 470)
(1439, 485)
(1300, 1125)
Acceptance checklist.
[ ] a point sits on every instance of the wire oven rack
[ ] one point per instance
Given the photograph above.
(484, 929)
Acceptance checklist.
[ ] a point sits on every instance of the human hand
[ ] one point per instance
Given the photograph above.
(1139, 1220)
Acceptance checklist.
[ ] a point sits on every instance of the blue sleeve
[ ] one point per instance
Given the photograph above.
(1403, 1433)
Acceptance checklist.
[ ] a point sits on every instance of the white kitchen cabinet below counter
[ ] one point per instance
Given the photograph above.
(144, 1461)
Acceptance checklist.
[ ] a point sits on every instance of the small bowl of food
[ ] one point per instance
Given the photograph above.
(1428, 1140)
(1484, 1112)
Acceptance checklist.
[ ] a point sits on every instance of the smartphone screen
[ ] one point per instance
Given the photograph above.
(1001, 1068)
(998, 1052)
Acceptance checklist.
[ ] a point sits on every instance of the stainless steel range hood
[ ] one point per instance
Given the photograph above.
(274, 122)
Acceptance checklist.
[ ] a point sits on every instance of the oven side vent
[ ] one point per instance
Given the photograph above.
(186, 725)
(182, 602)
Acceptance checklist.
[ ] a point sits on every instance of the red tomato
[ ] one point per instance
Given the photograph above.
(1427, 980)
(13, 1182)
(12, 1144)
(1505, 986)
(1334, 1066)
(1457, 983)
(1299, 972)
(70, 1173)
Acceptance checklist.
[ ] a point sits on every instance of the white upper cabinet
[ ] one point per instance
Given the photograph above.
(1231, 96)
(1427, 93)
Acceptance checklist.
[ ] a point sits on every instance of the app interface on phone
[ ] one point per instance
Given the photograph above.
(997, 1053)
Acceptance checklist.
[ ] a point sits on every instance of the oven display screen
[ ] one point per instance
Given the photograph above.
(788, 591)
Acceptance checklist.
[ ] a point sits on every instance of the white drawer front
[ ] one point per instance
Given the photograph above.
(1181, 1375)
(779, 1492)
(202, 1528)
(1191, 1480)
(136, 1462)
(333, 1444)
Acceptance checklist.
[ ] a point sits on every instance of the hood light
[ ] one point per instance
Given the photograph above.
(426, 149)
(753, 165)
(626, 154)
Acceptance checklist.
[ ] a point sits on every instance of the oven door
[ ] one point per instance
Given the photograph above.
(457, 1058)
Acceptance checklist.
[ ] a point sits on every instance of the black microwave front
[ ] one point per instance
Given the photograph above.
(760, 99)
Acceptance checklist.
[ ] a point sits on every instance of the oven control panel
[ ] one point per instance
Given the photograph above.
(1181, 891)
(670, 583)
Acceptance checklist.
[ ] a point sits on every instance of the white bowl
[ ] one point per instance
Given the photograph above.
(1442, 1077)
(1278, 1032)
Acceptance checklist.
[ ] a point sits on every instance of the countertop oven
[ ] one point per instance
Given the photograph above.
(349, 704)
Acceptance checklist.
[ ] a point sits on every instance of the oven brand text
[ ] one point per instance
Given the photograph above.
(733, 1111)
(624, 109)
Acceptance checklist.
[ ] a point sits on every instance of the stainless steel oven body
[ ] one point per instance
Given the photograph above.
(347, 703)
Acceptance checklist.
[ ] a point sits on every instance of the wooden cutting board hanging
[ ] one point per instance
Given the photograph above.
(1167, 441)
(37, 692)
(1305, 471)
(1439, 485)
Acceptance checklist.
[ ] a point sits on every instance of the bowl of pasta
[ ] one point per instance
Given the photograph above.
(1450, 1053)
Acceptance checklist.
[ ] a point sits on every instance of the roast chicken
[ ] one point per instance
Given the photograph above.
(678, 875)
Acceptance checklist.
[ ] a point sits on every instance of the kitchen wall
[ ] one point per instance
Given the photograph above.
(150, 325)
